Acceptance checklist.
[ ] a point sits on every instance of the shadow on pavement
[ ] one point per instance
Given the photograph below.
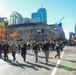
(40, 56)
(66, 68)
(69, 60)
(49, 64)
(28, 65)
(9, 61)
(38, 65)
(23, 66)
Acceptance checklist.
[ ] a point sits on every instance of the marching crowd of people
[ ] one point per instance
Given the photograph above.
(36, 47)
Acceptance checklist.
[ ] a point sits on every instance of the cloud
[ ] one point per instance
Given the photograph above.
(4, 12)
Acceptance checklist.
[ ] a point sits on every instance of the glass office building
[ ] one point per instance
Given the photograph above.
(40, 15)
(44, 14)
(15, 18)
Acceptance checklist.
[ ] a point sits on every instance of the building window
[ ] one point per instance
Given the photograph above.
(27, 31)
(42, 30)
(30, 31)
(24, 31)
(20, 31)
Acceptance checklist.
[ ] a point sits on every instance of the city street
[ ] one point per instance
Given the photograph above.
(64, 66)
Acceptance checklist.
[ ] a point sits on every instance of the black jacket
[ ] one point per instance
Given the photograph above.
(0, 47)
(46, 46)
(5, 47)
(36, 47)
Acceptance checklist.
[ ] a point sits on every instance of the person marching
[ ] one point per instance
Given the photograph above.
(46, 50)
(36, 49)
(5, 48)
(57, 49)
(19, 47)
(14, 48)
(0, 50)
(24, 51)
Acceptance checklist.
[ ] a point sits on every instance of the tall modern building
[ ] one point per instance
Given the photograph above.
(27, 20)
(36, 17)
(71, 35)
(39, 16)
(15, 18)
(44, 14)
(2, 19)
(75, 29)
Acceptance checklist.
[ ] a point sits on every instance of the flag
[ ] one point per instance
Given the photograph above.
(60, 24)
(60, 28)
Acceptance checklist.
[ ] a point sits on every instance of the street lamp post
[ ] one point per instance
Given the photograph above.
(6, 23)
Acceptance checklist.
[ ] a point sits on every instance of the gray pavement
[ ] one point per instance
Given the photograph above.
(64, 66)
(68, 62)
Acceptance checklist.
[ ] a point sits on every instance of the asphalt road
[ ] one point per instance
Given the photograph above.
(64, 66)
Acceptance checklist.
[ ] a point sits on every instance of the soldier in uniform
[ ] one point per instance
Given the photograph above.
(46, 50)
(58, 49)
(36, 49)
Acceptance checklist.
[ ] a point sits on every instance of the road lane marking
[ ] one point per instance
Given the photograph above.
(54, 70)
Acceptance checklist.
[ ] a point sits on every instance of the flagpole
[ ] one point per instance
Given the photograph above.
(59, 20)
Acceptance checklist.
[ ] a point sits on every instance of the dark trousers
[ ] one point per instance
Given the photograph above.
(61, 48)
(5, 55)
(19, 49)
(0, 53)
(53, 47)
(58, 54)
(46, 55)
(36, 55)
(14, 56)
(23, 56)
